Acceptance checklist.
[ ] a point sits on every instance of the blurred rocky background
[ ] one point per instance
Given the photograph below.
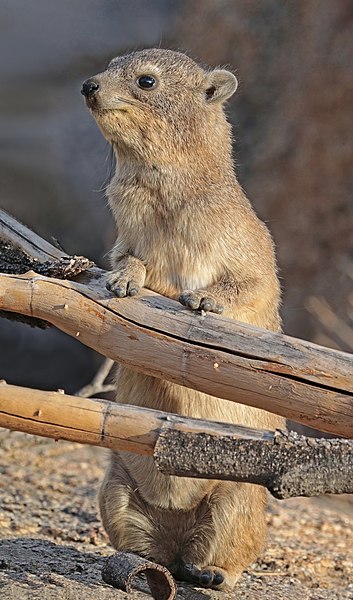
(293, 125)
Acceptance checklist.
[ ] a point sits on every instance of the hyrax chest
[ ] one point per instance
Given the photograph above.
(160, 227)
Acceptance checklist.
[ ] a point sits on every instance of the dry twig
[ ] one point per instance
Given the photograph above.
(331, 322)
(97, 385)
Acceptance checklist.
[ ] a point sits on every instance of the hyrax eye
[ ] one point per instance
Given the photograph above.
(146, 82)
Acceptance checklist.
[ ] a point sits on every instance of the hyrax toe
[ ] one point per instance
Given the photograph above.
(216, 578)
(209, 304)
(190, 300)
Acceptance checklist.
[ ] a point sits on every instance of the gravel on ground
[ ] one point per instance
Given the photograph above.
(53, 545)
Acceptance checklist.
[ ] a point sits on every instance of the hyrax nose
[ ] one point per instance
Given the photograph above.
(89, 87)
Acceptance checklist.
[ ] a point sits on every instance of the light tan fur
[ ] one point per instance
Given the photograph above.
(185, 230)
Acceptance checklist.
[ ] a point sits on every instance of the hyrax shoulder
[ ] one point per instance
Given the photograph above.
(185, 230)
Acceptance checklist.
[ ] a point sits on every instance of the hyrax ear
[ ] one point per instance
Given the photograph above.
(220, 85)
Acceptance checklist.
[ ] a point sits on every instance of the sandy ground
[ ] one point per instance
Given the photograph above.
(52, 544)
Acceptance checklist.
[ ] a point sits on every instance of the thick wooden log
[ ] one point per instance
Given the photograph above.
(299, 380)
(287, 464)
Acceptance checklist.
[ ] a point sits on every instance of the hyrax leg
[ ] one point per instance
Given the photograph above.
(209, 545)
(235, 538)
(127, 277)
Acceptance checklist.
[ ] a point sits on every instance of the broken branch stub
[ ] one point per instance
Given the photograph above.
(15, 261)
(122, 569)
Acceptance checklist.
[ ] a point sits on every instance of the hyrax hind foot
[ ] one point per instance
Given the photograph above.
(128, 277)
(201, 300)
(208, 577)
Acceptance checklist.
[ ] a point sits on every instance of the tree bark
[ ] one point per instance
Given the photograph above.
(299, 380)
(287, 464)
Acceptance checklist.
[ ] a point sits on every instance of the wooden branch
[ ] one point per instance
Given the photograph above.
(84, 420)
(336, 327)
(31, 244)
(299, 380)
(97, 422)
(287, 464)
(121, 569)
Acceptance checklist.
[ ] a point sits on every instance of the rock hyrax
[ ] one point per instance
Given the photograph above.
(187, 231)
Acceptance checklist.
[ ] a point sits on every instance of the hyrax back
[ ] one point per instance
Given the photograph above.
(185, 230)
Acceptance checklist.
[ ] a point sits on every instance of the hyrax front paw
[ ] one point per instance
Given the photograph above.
(201, 300)
(127, 281)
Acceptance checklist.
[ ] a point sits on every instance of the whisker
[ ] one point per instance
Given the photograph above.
(110, 163)
(130, 101)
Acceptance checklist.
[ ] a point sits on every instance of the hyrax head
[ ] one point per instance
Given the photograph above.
(157, 103)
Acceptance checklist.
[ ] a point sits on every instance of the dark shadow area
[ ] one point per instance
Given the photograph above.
(21, 557)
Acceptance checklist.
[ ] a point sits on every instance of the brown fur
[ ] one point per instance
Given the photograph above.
(185, 228)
